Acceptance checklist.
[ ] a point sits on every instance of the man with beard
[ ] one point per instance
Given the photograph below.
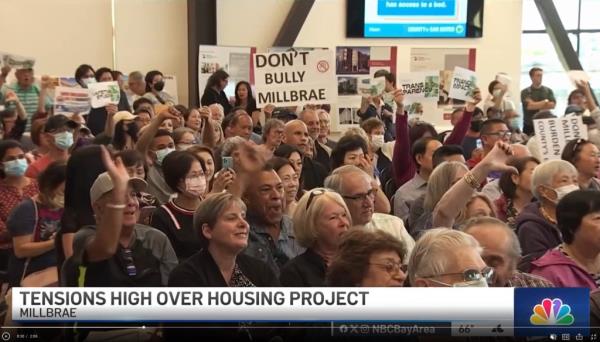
(271, 237)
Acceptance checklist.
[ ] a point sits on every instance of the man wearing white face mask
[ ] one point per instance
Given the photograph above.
(156, 144)
(58, 133)
(184, 174)
(536, 224)
(444, 257)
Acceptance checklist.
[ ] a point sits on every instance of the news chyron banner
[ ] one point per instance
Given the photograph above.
(346, 311)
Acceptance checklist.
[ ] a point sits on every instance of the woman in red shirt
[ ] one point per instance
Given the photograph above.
(14, 187)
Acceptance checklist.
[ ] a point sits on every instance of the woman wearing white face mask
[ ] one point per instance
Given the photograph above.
(375, 130)
(14, 187)
(33, 225)
(536, 224)
(185, 174)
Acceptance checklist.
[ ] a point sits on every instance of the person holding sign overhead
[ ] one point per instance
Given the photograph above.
(535, 98)
(97, 119)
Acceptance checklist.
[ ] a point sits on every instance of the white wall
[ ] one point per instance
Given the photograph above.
(62, 34)
(152, 34)
(498, 50)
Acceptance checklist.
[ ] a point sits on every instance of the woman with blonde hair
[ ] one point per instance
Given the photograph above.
(320, 220)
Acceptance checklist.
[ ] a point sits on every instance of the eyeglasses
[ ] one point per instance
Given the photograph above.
(370, 194)
(129, 264)
(501, 134)
(471, 274)
(392, 267)
(313, 194)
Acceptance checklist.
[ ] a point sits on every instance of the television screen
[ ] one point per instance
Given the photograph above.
(414, 18)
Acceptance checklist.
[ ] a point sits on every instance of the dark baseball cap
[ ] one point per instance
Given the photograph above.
(56, 122)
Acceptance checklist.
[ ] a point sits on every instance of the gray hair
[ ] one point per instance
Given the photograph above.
(219, 108)
(210, 209)
(269, 125)
(230, 145)
(179, 132)
(545, 172)
(514, 247)
(335, 180)
(136, 76)
(430, 255)
(440, 181)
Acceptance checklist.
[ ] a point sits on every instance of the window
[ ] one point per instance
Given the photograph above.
(579, 17)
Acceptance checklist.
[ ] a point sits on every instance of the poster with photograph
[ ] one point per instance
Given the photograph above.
(355, 67)
(294, 78)
(236, 61)
(444, 60)
(71, 100)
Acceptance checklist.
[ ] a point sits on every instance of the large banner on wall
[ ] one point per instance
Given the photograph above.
(237, 61)
(356, 65)
(294, 78)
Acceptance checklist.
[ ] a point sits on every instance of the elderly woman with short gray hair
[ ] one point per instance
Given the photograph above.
(536, 224)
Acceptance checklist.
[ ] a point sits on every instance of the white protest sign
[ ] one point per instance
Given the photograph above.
(16, 61)
(104, 93)
(578, 75)
(68, 101)
(464, 82)
(295, 78)
(419, 86)
(553, 134)
(371, 86)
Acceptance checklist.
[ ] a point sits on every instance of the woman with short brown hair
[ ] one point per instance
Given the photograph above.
(368, 259)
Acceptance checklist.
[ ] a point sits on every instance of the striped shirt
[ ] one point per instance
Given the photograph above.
(29, 97)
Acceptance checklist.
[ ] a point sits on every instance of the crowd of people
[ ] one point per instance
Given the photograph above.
(153, 193)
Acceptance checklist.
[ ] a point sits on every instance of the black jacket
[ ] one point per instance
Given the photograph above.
(306, 270)
(211, 96)
(313, 174)
(200, 270)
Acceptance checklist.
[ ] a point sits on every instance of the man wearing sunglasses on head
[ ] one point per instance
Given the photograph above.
(358, 191)
(444, 257)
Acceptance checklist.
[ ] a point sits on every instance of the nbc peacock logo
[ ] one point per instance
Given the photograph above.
(552, 312)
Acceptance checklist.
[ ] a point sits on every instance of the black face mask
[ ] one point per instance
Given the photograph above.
(159, 86)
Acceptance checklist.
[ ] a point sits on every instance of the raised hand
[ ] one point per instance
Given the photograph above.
(46, 82)
(399, 98)
(204, 112)
(5, 70)
(365, 164)
(497, 158)
(170, 113)
(268, 110)
(470, 106)
(116, 169)
(111, 109)
(222, 180)
(11, 96)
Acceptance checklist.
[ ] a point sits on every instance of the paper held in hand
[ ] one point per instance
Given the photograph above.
(69, 101)
(578, 75)
(295, 78)
(16, 61)
(553, 134)
(504, 79)
(104, 93)
(464, 82)
(371, 86)
(419, 86)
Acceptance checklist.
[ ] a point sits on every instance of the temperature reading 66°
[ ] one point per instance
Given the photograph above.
(465, 328)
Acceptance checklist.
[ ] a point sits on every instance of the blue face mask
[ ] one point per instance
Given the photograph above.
(63, 140)
(161, 154)
(15, 168)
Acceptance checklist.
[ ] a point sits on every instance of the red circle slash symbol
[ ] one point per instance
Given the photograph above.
(323, 66)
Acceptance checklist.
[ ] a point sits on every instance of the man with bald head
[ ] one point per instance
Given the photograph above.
(501, 250)
(492, 188)
(295, 133)
(311, 120)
